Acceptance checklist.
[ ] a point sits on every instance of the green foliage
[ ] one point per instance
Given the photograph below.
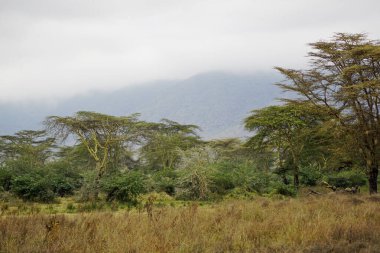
(165, 181)
(344, 81)
(5, 179)
(64, 179)
(14, 168)
(125, 187)
(310, 175)
(87, 185)
(240, 193)
(225, 177)
(286, 130)
(33, 186)
(263, 182)
(41, 183)
(228, 177)
(30, 145)
(104, 137)
(195, 173)
(283, 189)
(165, 142)
(345, 179)
(21, 165)
(194, 183)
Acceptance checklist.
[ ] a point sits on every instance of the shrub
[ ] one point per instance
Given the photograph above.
(225, 178)
(41, 183)
(165, 181)
(231, 175)
(64, 179)
(87, 185)
(5, 179)
(125, 187)
(245, 176)
(240, 193)
(33, 186)
(263, 182)
(13, 168)
(348, 178)
(286, 190)
(310, 175)
(195, 171)
(195, 183)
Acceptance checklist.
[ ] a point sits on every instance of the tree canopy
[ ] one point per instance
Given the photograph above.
(101, 134)
(344, 79)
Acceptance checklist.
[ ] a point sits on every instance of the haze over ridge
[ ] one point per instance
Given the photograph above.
(216, 101)
(57, 49)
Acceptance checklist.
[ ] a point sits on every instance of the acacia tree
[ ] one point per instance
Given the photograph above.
(285, 130)
(32, 145)
(165, 140)
(99, 133)
(344, 79)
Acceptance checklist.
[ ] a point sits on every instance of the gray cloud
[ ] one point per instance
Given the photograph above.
(51, 49)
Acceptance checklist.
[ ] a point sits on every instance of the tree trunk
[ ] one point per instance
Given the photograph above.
(372, 169)
(295, 169)
(96, 186)
(372, 179)
(296, 179)
(96, 189)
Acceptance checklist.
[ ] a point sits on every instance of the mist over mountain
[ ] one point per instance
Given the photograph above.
(218, 102)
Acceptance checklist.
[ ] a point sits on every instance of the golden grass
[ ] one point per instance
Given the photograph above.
(330, 223)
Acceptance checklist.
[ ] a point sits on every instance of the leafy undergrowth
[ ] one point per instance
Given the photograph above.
(330, 223)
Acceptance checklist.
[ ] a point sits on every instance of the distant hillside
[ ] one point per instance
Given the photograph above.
(217, 102)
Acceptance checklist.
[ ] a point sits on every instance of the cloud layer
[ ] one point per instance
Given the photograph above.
(51, 49)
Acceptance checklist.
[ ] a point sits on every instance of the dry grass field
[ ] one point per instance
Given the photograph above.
(329, 223)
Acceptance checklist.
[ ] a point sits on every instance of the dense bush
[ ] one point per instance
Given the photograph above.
(164, 181)
(229, 178)
(39, 183)
(195, 173)
(263, 182)
(125, 187)
(64, 179)
(195, 183)
(13, 168)
(5, 179)
(226, 177)
(243, 175)
(348, 178)
(33, 186)
(310, 175)
(283, 189)
(21, 165)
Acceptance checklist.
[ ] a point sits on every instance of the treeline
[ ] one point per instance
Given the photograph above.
(328, 132)
(119, 158)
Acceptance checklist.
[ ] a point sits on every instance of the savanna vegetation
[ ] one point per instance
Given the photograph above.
(323, 224)
(298, 184)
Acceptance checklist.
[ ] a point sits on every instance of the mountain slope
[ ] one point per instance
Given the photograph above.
(217, 102)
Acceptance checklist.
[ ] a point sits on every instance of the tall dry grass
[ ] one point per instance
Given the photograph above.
(324, 224)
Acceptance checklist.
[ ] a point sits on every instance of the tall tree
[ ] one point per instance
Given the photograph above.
(285, 130)
(34, 146)
(344, 78)
(165, 141)
(99, 133)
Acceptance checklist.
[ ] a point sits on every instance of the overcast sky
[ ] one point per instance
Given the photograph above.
(57, 48)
